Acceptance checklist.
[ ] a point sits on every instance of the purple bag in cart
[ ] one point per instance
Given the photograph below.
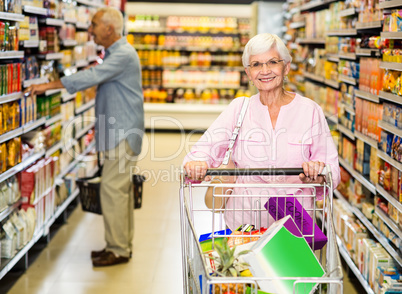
(276, 207)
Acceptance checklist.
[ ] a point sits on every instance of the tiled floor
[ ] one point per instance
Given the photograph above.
(64, 265)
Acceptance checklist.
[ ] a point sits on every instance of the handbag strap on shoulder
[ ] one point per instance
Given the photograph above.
(236, 130)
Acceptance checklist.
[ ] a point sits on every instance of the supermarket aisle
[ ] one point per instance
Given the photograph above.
(64, 266)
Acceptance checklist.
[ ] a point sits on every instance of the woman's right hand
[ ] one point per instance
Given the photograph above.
(196, 170)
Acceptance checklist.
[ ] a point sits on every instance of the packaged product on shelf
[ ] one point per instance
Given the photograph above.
(3, 196)
(19, 227)
(13, 152)
(3, 158)
(8, 240)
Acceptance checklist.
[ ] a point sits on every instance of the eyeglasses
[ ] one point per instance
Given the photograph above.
(271, 64)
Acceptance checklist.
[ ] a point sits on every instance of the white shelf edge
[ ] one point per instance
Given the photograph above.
(54, 119)
(36, 81)
(12, 16)
(69, 43)
(67, 97)
(11, 54)
(390, 128)
(389, 159)
(389, 222)
(33, 125)
(389, 198)
(9, 210)
(357, 176)
(367, 96)
(368, 224)
(53, 149)
(10, 135)
(391, 65)
(84, 130)
(346, 131)
(52, 92)
(35, 10)
(366, 139)
(353, 267)
(349, 80)
(390, 97)
(10, 97)
(85, 107)
(30, 44)
(54, 22)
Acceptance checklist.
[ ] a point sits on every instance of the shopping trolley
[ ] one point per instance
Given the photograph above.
(197, 277)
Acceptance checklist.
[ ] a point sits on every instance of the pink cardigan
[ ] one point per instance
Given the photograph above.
(301, 134)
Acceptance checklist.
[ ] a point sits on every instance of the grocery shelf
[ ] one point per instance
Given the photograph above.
(367, 96)
(51, 56)
(184, 48)
(389, 159)
(391, 65)
(333, 57)
(352, 266)
(209, 68)
(11, 16)
(21, 166)
(346, 131)
(11, 54)
(367, 223)
(297, 25)
(314, 77)
(315, 5)
(391, 35)
(320, 41)
(35, 10)
(344, 32)
(347, 12)
(368, 52)
(70, 20)
(331, 83)
(85, 107)
(54, 22)
(33, 125)
(189, 86)
(391, 4)
(69, 43)
(65, 171)
(390, 97)
(359, 177)
(347, 55)
(6, 212)
(53, 149)
(6, 266)
(389, 198)
(390, 223)
(390, 128)
(369, 25)
(366, 139)
(82, 25)
(53, 119)
(10, 97)
(36, 81)
(52, 92)
(10, 135)
(41, 196)
(331, 117)
(67, 97)
(90, 3)
(348, 108)
(346, 79)
(84, 130)
(30, 44)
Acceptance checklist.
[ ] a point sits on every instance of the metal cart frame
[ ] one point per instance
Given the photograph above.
(196, 278)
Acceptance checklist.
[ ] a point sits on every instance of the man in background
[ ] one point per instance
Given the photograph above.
(119, 128)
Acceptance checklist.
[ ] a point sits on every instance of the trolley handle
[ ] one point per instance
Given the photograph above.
(258, 171)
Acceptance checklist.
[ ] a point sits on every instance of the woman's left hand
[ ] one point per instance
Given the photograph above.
(311, 170)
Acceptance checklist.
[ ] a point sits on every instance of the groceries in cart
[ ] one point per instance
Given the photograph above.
(280, 252)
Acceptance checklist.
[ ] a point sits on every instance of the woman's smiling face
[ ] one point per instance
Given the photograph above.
(267, 70)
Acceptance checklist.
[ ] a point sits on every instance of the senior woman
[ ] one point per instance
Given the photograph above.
(280, 130)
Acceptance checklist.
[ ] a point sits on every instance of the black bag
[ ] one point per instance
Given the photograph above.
(90, 192)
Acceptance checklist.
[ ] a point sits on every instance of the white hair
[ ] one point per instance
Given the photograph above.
(112, 16)
(262, 43)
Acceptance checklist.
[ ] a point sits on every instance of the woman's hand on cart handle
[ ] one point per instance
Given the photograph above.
(196, 170)
(312, 170)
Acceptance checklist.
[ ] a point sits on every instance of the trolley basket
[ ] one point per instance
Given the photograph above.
(90, 194)
(248, 204)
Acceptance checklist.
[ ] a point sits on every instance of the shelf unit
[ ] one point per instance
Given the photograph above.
(373, 28)
(43, 20)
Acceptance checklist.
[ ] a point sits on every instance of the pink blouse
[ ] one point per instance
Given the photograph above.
(301, 134)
